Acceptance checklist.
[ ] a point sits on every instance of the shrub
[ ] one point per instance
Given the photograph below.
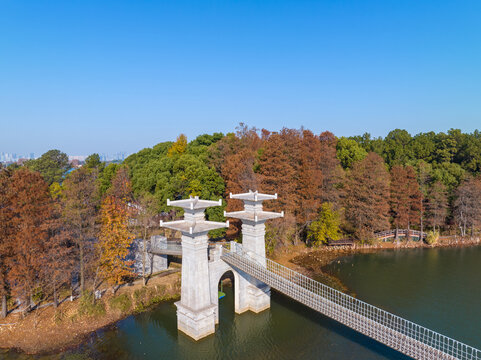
(326, 227)
(432, 237)
(88, 306)
(38, 295)
(121, 303)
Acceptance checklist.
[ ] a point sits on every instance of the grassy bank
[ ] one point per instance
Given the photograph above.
(50, 330)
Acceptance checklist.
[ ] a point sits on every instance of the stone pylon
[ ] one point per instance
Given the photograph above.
(254, 295)
(195, 310)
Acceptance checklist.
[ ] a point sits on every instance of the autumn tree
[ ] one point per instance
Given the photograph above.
(399, 199)
(79, 204)
(467, 207)
(234, 157)
(32, 211)
(308, 178)
(179, 146)
(367, 196)
(6, 231)
(60, 255)
(144, 213)
(437, 205)
(423, 171)
(405, 197)
(277, 174)
(332, 172)
(115, 237)
(414, 198)
(121, 188)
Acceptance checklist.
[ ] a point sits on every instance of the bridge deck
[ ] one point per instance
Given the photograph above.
(400, 334)
(169, 248)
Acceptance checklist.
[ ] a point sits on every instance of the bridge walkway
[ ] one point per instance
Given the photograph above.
(398, 333)
(383, 235)
(169, 248)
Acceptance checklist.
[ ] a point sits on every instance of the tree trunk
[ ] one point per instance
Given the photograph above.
(422, 229)
(94, 286)
(82, 278)
(115, 288)
(144, 257)
(55, 298)
(4, 306)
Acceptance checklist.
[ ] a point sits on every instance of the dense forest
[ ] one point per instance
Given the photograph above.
(57, 222)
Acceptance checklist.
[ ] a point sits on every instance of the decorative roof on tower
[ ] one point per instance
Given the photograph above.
(253, 211)
(194, 222)
(253, 196)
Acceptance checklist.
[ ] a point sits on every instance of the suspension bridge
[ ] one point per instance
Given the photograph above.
(203, 265)
(391, 330)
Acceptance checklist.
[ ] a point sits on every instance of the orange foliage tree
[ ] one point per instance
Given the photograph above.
(115, 237)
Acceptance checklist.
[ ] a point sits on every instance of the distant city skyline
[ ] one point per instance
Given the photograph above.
(111, 76)
(6, 157)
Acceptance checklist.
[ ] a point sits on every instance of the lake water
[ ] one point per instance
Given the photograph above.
(438, 288)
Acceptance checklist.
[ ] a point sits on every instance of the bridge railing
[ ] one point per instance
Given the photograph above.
(372, 314)
(400, 232)
(161, 247)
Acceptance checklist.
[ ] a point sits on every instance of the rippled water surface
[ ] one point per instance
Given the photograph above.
(438, 288)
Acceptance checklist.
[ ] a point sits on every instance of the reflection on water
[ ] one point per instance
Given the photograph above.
(432, 287)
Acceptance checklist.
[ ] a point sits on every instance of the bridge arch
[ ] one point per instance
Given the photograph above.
(217, 271)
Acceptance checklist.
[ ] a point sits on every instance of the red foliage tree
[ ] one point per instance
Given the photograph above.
(234, 158)
(399, 197)
(5, 232)
(367, 196)
(32, 213)
(437, 205)
(406, 197)
(278, 163)
(309, 178)
(333, 174)
(79, 203)
(467, 207)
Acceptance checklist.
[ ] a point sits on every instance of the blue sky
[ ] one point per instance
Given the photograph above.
(109, 76)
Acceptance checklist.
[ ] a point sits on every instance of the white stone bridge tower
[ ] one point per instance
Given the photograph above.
(253, 217)
(197, 310)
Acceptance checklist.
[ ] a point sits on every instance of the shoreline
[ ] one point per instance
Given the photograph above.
(313, 262)
(50, 331)
(29, 336)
